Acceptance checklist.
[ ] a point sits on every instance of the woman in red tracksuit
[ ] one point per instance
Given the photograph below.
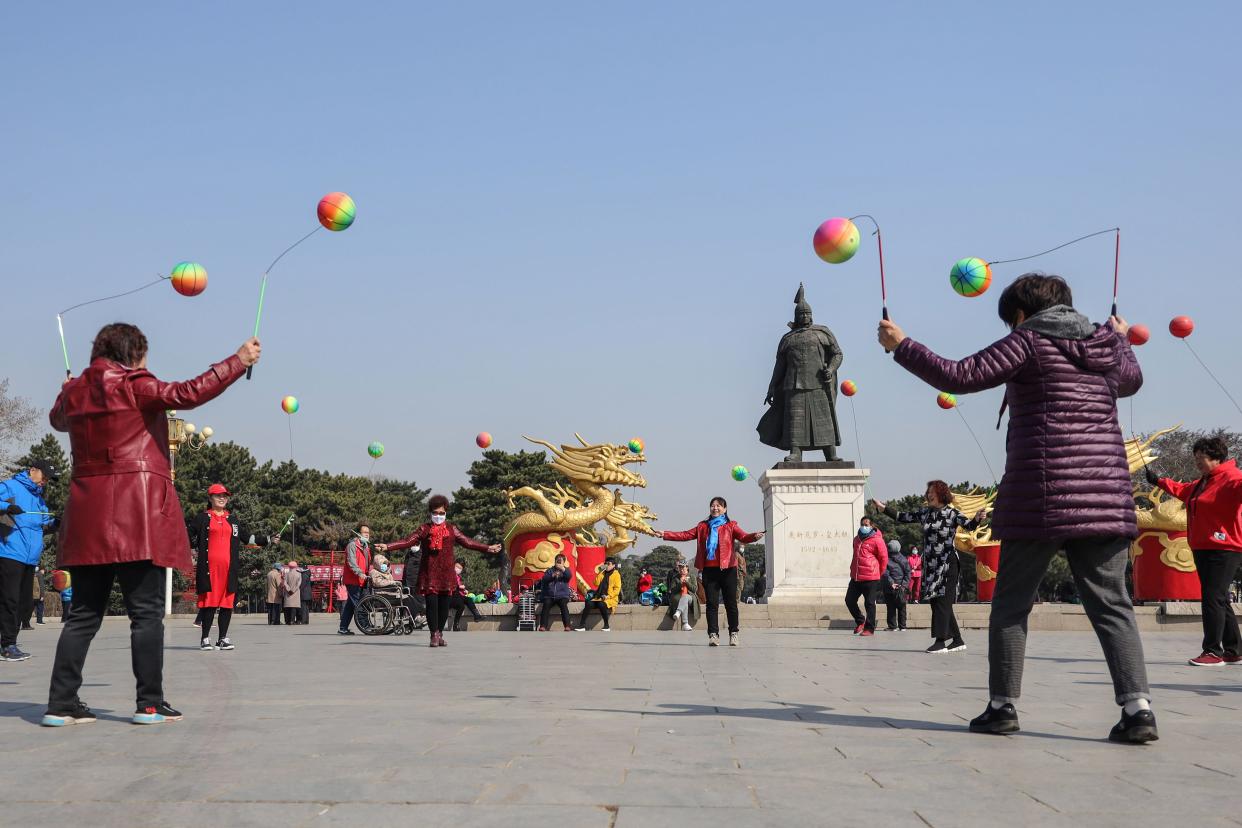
(717, 565)
(916, 574)
(1214, 531)
(866, 568)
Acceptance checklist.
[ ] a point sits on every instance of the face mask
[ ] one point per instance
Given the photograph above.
(437, 519)
(458, 571)
(865, 531)
(383, 567)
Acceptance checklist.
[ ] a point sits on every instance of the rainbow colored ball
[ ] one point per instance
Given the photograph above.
(376, 449)
(946, 400)
(836, 240)
(1138, 334)
(637, 445)
(848, 388)
(290, 405)
(336, 211)
(970, 276)
(483, 440)
(1181, 326)
(740, 473)
(189, 278)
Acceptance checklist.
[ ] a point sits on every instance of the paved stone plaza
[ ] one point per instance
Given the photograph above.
(299, 726)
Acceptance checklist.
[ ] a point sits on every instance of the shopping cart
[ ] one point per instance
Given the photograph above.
(526, 610)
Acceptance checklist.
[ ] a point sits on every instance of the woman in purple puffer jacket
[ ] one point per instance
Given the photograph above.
(1066, 483)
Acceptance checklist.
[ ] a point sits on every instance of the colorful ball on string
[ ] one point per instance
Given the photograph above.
(946, 400)
(336, 211)
(970, 276)
(483, 440)
(189, 278)
(376, 449)
(740, 473)
(836, 240)
(637, 445)
(848, 388)
(1138, 334)
(290, 405)
(1181, 326)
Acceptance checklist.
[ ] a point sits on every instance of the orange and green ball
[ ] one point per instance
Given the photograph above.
(740, 473)
(836, 240)
(637, 445)
(946, 400)
(376, 449)
(189, 278)
(290, 405)
(849, 388)
(336, 211)
(970, 277)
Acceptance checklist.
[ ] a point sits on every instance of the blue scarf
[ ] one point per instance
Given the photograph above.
(712, 540)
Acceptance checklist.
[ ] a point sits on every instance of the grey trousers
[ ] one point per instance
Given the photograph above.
(1098, 565)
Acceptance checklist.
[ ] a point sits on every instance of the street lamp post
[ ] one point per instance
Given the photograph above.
(180, 434)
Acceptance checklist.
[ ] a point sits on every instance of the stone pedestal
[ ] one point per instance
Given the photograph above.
(811, 513)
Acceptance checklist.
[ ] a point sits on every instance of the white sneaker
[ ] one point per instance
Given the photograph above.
(676, 616)
(580, 629)
(733, 641)
(687, 627)
(206, 645)
(606, 629)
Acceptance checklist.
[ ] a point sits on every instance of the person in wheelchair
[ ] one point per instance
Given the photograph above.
(387, 606)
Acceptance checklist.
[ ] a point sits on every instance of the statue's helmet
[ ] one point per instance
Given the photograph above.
(802, 310)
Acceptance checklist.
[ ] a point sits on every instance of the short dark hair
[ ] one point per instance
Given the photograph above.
(724, 504)
(460, 562)
(437, 501)
(861, 519)
(1215, 448)
(1032, 293)
(942, 491)
(362, 526)
(120, 342)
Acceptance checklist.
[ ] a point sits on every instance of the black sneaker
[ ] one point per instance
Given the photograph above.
(158, 714)
(994, 720)
(344, 632)
(13, 653)
(957, 646)
(81, 714)
(937, 648)
(224, 644)
(1136, 729)
(206, 644)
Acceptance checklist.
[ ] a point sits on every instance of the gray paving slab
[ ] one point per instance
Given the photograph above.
(299, 726)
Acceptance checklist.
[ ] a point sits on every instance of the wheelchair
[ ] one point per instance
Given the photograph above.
(387, 613)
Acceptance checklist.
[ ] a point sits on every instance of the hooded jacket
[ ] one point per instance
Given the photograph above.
(870, 557)
(1066, 474)
(1213, 507)
(23, 541)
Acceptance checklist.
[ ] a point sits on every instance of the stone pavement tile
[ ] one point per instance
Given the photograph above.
(163, 814)
(680, 788)
(383, 815)
(886, 812)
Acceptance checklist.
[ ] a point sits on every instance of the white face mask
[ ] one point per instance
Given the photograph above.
(437, 519)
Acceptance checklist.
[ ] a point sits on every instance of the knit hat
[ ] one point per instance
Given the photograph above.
(894, 545)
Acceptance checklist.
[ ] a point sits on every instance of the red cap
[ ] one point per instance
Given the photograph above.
(218, 488)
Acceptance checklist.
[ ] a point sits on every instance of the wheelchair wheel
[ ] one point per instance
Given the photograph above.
(374, 615)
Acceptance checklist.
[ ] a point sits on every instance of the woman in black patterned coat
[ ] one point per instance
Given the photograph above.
(941, 564)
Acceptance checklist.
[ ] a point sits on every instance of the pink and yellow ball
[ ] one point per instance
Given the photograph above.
(189, 278)
(290, 405)
(336, 211)
(946, 400)
(483, 440)
(849, 388)
(970, 277)
(836, 240)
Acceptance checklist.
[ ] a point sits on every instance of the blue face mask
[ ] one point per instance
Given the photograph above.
(383, 567)
(865, 531)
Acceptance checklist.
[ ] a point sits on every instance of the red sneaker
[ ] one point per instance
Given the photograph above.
(859, 629)
(1232, 659)
(1207, 660)
(867, 632)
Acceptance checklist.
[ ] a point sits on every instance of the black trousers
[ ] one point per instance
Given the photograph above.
(273, 614)
(944, 622)
(437, 612)
(292, 614)
(142, 590)
(12, 573)
(306, 605)
(718, 582)
(548, 603)
(459, 604)
(895, 606)
(600, 605)
(1217, 569)
(209, 616)
(867, 590)
(26, 605)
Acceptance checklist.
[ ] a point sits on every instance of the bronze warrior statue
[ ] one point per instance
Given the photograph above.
(803, 391)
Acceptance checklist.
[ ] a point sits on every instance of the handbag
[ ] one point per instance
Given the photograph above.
(342, 594)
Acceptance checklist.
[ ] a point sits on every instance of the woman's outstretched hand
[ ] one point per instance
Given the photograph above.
(248, 353)
(890, 334)
(879, 504)
(494, 548)
(981, 514)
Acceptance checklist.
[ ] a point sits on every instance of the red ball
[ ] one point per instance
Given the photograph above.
(946, 400)
(1181, 326)
(848, 388)
(484, 440)
(1138, 334)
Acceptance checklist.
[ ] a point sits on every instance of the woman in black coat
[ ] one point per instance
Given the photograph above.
(215, 536)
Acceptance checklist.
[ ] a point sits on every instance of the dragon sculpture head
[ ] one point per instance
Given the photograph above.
(632, 516)
(602, 464)
(968, 503)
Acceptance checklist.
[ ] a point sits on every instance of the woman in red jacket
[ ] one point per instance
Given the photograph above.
(216, 538)
(1214, 530)
(867, 566)
(437, 577)
(717, 565)
(123, 522)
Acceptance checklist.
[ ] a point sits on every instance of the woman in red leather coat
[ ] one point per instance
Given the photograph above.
(123, 522)
(437, 577)
(717, 565)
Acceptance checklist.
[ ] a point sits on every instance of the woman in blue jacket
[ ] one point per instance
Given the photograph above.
(21, 545)
(556, 592)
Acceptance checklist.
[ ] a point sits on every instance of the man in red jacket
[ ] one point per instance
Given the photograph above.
(1214, 531)
(868, 565)
(354, 575)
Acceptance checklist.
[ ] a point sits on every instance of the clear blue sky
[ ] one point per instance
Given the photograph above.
(593, 217)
